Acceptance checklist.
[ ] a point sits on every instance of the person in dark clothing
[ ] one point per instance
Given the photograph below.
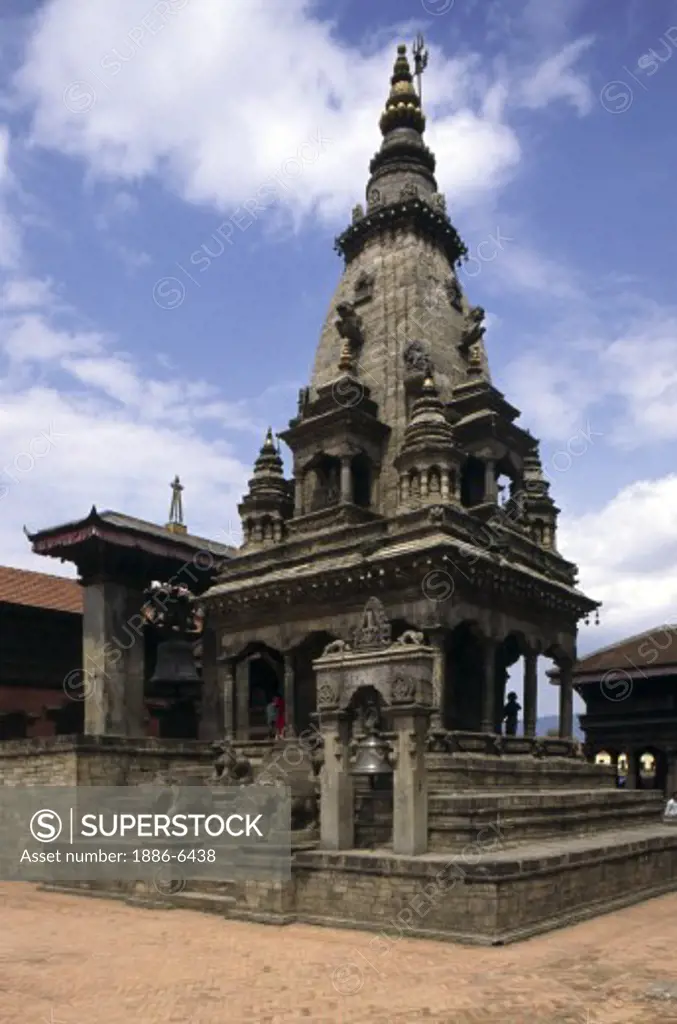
(510, 714)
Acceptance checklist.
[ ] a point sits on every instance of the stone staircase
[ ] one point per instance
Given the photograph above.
(498, 817)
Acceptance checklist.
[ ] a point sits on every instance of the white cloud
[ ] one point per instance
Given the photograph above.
(556, 79)
(604, 361)
(10, 243)
(627, 551)
(26, 293)
(163, 95)
(110, 433)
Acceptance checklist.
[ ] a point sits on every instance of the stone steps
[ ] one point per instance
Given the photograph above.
(458, 820)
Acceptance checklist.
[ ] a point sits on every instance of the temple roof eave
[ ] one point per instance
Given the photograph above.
(67, 540)
(320, 572)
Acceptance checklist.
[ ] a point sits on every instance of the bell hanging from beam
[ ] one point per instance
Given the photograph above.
(373, 756)
(175, 664)
(177, 620)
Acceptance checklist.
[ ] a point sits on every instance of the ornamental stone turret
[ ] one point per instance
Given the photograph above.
(540, 511)
(266, 507)
(429, 462)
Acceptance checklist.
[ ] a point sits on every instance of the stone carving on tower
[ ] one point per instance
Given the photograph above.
(540, 511)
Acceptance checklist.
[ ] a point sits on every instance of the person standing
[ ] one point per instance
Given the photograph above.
(279, 716)
(271, 717)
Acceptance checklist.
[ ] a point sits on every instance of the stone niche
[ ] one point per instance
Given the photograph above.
(398, 677)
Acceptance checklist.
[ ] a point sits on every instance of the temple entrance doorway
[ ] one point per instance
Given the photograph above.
(265, 683)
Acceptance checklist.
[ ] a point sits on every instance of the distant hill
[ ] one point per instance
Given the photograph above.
(552, 722)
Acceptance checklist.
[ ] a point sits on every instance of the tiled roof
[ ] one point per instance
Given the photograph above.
(39, 590)
(654, 649)
(139, 527)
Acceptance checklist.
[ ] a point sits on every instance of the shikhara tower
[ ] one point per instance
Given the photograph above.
(399, 445)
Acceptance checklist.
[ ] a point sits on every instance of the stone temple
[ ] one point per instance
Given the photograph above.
(385, 591)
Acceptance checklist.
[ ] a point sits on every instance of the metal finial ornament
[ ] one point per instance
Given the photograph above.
(176, 523)
(420, 61)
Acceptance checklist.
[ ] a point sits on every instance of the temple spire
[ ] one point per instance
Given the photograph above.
(403, 106)
(175, 523)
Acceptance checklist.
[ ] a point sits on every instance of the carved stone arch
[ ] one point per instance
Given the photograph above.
(359, 696)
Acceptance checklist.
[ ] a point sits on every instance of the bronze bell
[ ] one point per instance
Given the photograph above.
(372, 757)
(175, 664)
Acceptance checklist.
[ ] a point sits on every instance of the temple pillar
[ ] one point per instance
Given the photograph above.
(671, 772)
(226, 675)
(113, 659)
(631, 779)
(530, 694)
(566, 701)
(289, 694)
(298, 494)
(337, 804)
(490, 493)
(346, 480)
(211, 714)
(489, 686)
(438, 642)
(242, 699)
(410, 784)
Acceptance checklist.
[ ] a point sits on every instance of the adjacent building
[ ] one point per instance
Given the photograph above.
(40, 654)
(630, 694)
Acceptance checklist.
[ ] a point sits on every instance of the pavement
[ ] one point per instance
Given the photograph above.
(76, 960)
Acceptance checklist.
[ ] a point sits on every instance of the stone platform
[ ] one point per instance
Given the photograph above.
(492, 898)
(520, 841)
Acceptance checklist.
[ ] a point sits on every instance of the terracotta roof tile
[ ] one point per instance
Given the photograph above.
(654, 649)
(39, 590)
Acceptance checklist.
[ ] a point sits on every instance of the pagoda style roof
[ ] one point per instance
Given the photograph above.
(39, 590)
(651, 653)
(323, 575)
(120, 530)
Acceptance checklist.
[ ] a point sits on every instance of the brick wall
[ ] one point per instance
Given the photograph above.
(101, 761)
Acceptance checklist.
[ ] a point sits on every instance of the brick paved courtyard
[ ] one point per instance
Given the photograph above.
(72, 960)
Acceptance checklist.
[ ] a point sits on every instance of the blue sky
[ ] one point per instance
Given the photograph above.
(130, 133)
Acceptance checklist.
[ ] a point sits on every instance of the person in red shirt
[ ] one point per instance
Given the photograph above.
(278, 701)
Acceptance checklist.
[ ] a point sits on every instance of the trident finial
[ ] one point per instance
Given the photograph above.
(420, 60)
(176, 524)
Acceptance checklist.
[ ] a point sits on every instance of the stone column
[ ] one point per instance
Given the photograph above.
(211, 707)
(135, 666)
(490, 493)
(410, 784)
(346, 480)
(298, 494)
(226, 675)
(530, 692)
(566, 701)
(671, 772)
(631, 780)
(242, 698)
(289, 694)
(112, 659)
(489, 686)
(337, 803)
(438, 642)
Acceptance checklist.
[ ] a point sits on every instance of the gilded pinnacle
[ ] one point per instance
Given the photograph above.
(346, 362)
